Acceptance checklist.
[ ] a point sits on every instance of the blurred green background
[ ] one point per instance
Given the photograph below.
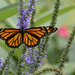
(58, 40)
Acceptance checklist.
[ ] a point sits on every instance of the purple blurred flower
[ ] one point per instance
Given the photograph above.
(27, 73)
(22, 58)
(25, 14)
(22, 64)
(1, 62)
(34, 57)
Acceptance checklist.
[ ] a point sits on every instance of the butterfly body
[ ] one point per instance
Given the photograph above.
(31, 37)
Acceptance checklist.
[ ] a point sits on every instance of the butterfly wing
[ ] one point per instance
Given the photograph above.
(12, 37)
(30, 40)
(32, 36)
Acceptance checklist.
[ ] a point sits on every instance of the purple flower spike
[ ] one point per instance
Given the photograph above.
(27, 73)
(21, 11)
(25, 14)
(34, 58)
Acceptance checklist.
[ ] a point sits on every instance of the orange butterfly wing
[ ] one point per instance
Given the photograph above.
(12, 37)
(32, 36)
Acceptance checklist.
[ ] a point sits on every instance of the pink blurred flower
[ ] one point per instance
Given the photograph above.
(63, 31)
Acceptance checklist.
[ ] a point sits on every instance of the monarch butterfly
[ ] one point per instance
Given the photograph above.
(31, 37)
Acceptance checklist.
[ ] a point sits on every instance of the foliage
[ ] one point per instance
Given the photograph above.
(57, 43)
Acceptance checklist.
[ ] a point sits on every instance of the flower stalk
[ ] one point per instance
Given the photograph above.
(55, 13)
(25, 14)
(66, 50)
(32, 19)
(5, 68)
(54, 16)
(49, 69)
(21, 61)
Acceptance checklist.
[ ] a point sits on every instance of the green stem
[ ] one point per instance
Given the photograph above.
(49, 69)
(7, 62)
(55, 13)
(65, 52)
(32, 19)
(54, 16)
(19, 68)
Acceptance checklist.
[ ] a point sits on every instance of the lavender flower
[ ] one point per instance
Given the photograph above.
(23, 22)
(1, 62)
(34, 57)
(22, 58)
(27, 73)
(25, 15)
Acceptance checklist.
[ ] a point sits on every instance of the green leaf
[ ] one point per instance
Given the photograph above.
(6, 48)
(4, 54)
(13, 9)
(48, 16)
(8, 11)
(69, 68)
